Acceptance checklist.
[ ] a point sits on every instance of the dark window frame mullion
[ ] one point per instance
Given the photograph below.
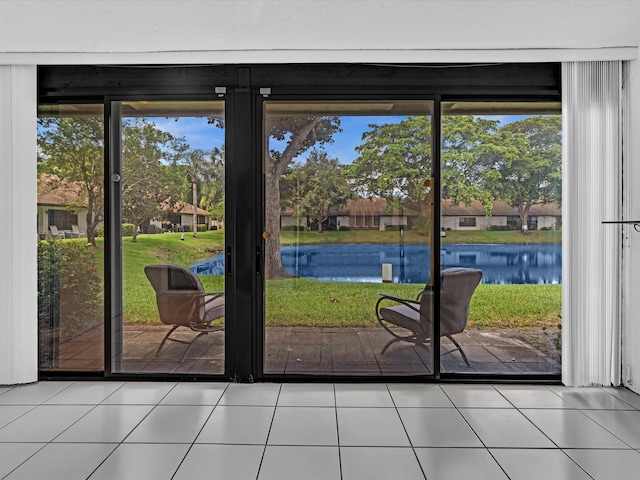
(113, 227)
(435, 232)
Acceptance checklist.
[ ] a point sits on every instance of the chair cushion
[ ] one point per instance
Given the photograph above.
(402, 316)
(214, 308)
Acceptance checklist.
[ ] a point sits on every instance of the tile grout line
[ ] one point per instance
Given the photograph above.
(558, 448)
(94, 406)
(476, 433)
(273, 416)
(199, 431)
(335, 411)
(413, 449)
(26, 459)
(121, 442)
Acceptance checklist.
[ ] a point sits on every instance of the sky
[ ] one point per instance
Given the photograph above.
(201, 135)
(198, 133)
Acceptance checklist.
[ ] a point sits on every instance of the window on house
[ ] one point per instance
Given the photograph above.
(513, 221)
(62, 219)
(468, 221)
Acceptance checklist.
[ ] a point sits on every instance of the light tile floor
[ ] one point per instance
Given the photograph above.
(192, 431)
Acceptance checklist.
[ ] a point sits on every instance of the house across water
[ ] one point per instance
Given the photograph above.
(372, 214)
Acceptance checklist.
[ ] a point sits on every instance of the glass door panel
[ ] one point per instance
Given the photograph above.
(71, 246)
(348, 207)
(501, 215)
(172, 191)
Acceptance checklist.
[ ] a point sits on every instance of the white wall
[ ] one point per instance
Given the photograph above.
(188, 31)
(310, 30)
(631, 246)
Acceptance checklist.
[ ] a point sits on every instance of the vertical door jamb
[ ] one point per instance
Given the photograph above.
(113, 252)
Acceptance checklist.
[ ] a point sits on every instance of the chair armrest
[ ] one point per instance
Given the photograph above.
(397, 299)
(412, 304)
(213, 295)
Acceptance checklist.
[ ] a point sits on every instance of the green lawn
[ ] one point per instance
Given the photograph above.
(139, 297)
(309, 302)
(411, 236)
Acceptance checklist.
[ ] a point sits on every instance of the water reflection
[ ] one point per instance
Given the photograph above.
(500, 264)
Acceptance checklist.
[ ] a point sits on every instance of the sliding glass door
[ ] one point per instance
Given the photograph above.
(169, 184)
(70, 216)
(348, 237)
(501, 215)
(314, 221)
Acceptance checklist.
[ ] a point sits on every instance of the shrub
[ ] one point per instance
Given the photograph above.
(422, 224)
(69, 294)
(127, 229)
(500, 228)
(202, 227)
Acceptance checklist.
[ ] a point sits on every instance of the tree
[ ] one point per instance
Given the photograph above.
(212, 195)
(71, 150)
(149, 182)
(293, 136)
(534, 176)
(394, 161)
(319, 185)
(473, 150)
(195, 163)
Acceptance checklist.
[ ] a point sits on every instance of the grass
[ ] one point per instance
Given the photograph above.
(308, 302)
(303, 301)
(139, 297)
(412, 236)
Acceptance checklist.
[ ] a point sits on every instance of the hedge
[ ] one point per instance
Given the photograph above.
(70, 295)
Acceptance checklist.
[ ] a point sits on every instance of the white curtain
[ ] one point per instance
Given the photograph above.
(592, 165)
(18, 254)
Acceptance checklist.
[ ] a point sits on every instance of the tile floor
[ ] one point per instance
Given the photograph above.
(192, 431)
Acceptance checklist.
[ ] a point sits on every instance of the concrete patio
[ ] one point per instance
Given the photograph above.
(319, 351)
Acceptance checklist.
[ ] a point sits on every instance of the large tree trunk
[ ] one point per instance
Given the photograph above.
(273, 262)
(274, 169)
(134, 235)
(194, 190)
(523, 210)
(91, 219)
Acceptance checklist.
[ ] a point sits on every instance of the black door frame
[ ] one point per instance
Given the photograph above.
(379, 94)
(240, 85)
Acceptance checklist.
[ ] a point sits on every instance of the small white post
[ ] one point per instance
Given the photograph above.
(387, 273)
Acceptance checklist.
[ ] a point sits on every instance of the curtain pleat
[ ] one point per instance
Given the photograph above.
(591, 108)
(18, 196)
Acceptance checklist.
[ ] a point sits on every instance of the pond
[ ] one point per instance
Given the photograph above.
(500, 264)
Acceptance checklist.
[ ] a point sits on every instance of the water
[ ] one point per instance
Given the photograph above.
(500, 264)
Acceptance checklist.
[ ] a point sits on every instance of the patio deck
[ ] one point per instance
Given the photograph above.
(313, 350)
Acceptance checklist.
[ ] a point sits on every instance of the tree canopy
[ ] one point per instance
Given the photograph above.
(534, 175)
(519, 162)
(149, 184)
(394, 161)
(71, 150)
(315, 187)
